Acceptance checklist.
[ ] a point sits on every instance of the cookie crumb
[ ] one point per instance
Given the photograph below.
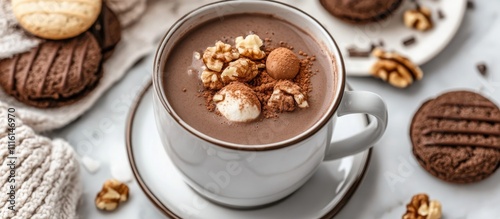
(482, 68)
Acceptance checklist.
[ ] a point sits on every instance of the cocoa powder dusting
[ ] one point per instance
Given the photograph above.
(303, 78)
(209, 103)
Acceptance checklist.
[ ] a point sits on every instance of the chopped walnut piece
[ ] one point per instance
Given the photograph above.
(215, 57)
(421, 208)
(242, 70)
(281, 97)
(394, 68)
(211, 80)
(418, 19)
(111, 195)
(250, 47)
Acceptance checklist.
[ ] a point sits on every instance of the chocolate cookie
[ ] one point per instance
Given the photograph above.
(361, 11)
(456, 137)
(107, 30)
(55, 73)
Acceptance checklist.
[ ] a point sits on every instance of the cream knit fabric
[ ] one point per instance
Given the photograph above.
(46, 174)
(13, 39)
(127, 11)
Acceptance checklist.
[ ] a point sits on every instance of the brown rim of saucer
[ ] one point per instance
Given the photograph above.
(167, 212)
(158, 85)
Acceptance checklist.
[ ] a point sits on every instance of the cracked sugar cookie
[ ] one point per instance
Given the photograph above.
(56, 20)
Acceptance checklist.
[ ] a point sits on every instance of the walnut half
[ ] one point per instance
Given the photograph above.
(211, 80)
(421, 208)
(113, 192)
(250, 46)
(215, 57)
(399, 71)
(242, 70)
(418, 19)
(284, 94)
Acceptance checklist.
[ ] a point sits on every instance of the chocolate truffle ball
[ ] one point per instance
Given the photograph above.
(282, 63)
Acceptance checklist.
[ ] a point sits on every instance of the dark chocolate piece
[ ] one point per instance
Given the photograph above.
(470, 4)
(440, 14)
(381, 43)
(482, 68)
(409, 41)
(355, 53)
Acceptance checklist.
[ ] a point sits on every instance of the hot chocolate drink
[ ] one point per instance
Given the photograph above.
(279, 105)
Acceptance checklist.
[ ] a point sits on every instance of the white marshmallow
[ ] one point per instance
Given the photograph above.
(236, 106)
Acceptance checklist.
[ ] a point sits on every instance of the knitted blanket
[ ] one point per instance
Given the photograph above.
(13, 39)
(39, 178)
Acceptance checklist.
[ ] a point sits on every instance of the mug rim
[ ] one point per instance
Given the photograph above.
(338, 64)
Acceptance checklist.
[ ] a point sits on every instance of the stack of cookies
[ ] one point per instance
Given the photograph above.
(78, 37)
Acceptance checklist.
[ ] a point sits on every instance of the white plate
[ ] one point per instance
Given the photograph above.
(391, 31)
(322, 196)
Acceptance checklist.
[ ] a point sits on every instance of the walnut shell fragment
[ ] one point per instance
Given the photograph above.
(113, 193)
(397, 70)
(421, 208)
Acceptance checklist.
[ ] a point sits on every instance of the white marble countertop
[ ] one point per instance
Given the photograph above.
(392, 177)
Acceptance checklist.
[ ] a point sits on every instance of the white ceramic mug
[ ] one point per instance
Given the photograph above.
(247, 176)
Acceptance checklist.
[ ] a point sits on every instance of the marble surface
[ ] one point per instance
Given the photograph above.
(393, 175)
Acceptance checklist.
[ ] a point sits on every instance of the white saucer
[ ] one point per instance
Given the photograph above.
(322, 196)
(392, 32)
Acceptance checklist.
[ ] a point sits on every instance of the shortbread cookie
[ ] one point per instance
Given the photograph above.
(54, 74)
(456, 137)
(61, 19)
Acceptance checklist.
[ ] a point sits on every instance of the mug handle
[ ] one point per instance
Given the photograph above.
(359, 102)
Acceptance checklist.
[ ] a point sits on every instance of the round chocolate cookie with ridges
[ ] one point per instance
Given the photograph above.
(361, 11)
(55, 73)
(107, 30)
(456, 137)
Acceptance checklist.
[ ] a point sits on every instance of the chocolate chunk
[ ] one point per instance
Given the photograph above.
(355, 53)
(56, 73)
(409, 41)
(482, 68)
(374, 45)
(456, 137)
(440, 14)
(470, 4)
